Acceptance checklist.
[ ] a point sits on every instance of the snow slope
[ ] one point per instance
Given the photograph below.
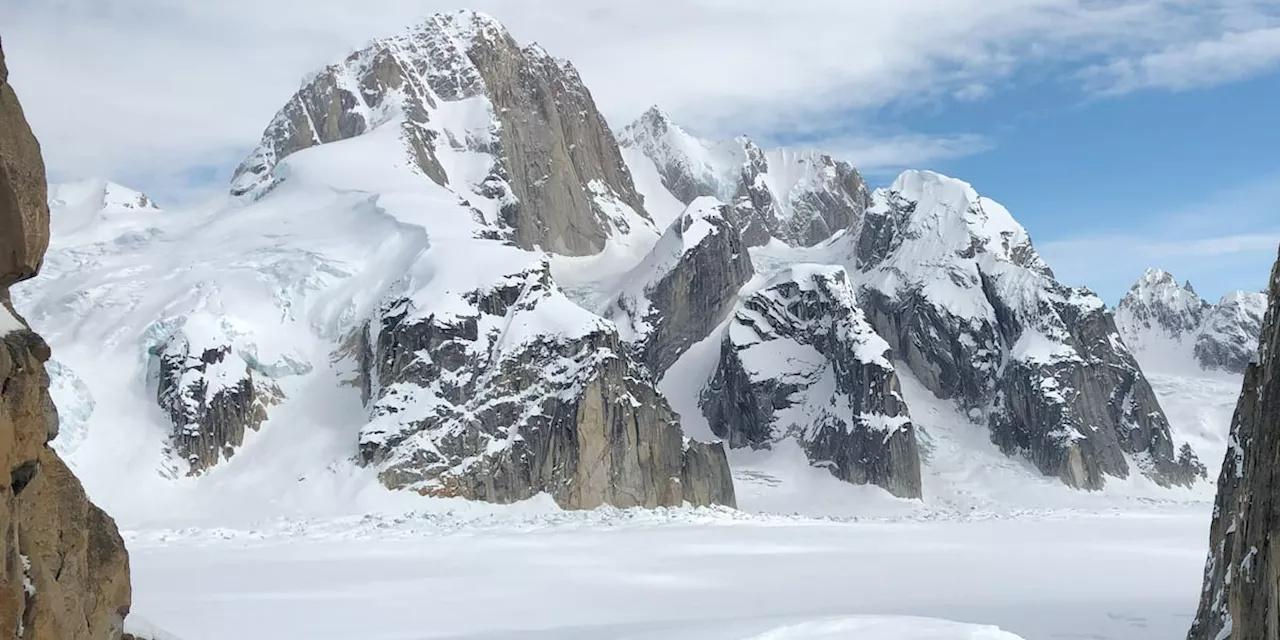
(649, 575)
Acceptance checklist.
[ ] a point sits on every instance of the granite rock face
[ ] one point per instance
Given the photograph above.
(1241, 595)
(956, 287)
(516, 391)
(64, 571)
(459, 79)
(799, 360)
(685, 287)
(210, 393)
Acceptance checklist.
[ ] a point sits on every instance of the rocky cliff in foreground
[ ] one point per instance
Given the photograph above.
(1241, 595)
(64, 571)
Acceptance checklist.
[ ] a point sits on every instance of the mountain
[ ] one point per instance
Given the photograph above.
(798, 197)
(953, 283)
(381, 267)
(64, 570)
(441, 274)
(1172, 329)
(511, 127)
(1239, 598)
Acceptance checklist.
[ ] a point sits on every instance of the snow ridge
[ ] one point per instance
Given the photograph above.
(797, 196)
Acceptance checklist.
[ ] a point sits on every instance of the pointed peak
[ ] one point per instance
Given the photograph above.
(1156, 278)
(655, 114)
(1186, 286)
(468, 25)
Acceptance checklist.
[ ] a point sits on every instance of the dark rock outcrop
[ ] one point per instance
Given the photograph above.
(799, 360)
(685, 287)
(557, 171)
(955, 286)
(212, 398)
(64, 571)
(1241, 595)
(515, 392)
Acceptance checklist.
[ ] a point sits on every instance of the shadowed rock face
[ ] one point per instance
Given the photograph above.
(212, 399)
(461, 407)
(556, 169)
(685, 287)
(64, 571)
(1241, 595)
(799, 360)
(956, 287)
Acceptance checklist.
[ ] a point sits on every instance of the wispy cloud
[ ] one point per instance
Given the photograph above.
(1227, 241)
(136, 87)
(888, 154)
(1205, 63)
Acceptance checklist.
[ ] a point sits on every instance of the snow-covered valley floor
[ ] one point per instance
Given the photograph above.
(991, 545)
(1123, 576)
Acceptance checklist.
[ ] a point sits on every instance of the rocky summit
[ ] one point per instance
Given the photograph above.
(953, 283)
(550, 168)
(1171, 329)
(685, 287)
(1240, 597)
(64, 571)
(798, 197)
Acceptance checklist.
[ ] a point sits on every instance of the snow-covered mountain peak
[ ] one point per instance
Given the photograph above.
(496, 123)
(469, 26)
(1172, 329)
(95, 206)
(798, 196)
(105, 195)
(925, 219)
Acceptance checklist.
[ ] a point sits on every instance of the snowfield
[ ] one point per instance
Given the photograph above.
(291, 539)
(704, 575)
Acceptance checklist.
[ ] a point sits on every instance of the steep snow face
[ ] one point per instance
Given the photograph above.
(95, 206)
(800, 197)
(955, 285)
(509, 128)
(1171, 329)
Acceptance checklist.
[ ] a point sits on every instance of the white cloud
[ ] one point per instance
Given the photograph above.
(1205, 63)
(880, 155)
(127, 88)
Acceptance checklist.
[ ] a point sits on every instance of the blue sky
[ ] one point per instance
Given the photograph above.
(1123, 134)
(1168, 167)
